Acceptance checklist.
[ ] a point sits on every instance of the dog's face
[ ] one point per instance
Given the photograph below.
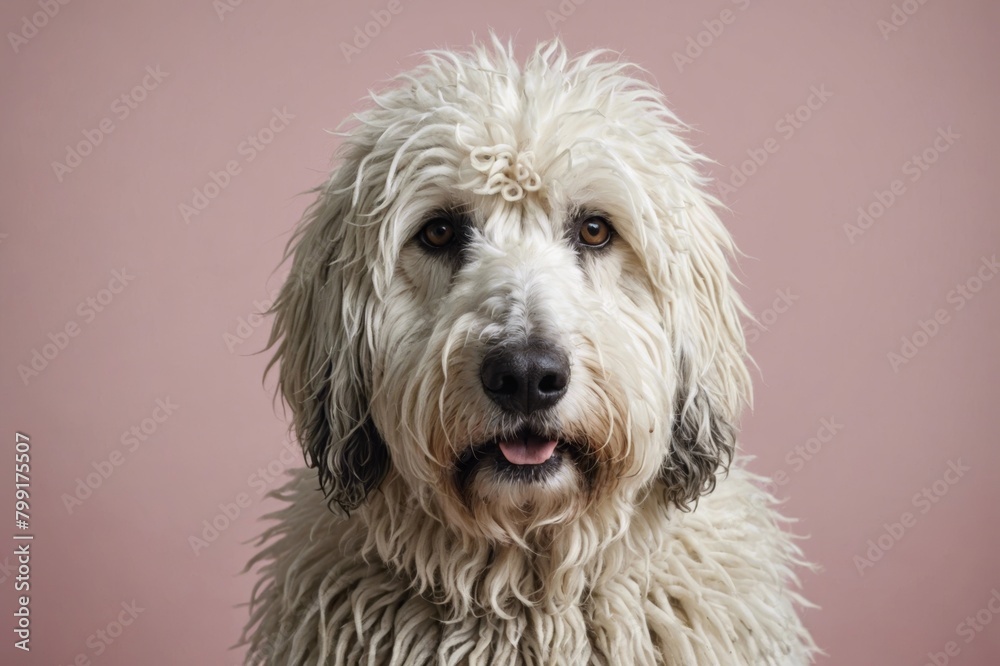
(513, 299)
(521, 366)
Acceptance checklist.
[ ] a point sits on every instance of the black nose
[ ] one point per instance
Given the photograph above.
(525, 378)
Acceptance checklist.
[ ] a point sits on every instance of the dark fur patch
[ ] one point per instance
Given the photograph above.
(363, 466)
(348, 470)
(702, 442)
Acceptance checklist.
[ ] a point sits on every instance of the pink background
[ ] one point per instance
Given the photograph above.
(822, 357)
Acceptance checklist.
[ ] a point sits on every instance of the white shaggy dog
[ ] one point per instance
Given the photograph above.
(513, 352)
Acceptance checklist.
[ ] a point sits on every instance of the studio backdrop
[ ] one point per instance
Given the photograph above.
(157, 156)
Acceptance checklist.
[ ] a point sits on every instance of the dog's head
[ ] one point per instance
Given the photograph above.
(513, 298)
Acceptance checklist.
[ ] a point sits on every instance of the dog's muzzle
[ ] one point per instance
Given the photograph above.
(524, 379)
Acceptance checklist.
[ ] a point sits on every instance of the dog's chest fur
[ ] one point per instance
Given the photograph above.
(706, 587)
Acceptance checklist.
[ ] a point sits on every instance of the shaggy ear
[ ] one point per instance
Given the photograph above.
(713, 384)
(322, 348)
(702, 441)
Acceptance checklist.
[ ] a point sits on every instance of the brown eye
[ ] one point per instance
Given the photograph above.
(595, 232)
(437, 233)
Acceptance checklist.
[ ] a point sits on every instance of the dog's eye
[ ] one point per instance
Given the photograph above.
(438, 233)
(595, 231)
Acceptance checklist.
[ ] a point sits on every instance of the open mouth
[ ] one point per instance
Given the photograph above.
(525, 455)
(527, 448)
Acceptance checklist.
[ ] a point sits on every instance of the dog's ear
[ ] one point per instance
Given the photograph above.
(713, 384)
(703, 440)
(321, 338)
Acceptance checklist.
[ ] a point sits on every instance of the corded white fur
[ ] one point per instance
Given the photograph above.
(647, 552)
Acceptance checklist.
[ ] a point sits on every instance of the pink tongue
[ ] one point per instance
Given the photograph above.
(530, 451)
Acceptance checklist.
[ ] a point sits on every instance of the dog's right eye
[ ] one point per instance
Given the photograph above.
(437, 234)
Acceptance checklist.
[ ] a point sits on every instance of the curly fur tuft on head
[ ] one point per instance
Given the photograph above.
(512, 350)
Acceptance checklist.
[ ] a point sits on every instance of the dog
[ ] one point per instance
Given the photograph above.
(514, 357)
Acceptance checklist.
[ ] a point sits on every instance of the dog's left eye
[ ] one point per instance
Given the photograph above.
(438, 233)
(595, 231)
